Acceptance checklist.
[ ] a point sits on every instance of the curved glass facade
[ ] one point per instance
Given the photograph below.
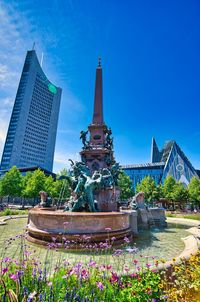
(171, 160)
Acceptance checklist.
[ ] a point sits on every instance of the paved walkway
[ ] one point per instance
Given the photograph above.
(3, 219)
(185, 221)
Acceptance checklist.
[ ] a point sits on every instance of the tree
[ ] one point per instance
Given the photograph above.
(35, 184)
(25, 180)
(11, 183)
(62, 173)
(49, 185)
(148, 186)
(168, 188)
(125, 184)
(180, 194)
(194, 190)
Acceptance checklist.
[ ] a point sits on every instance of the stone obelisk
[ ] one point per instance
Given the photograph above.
(98, 152)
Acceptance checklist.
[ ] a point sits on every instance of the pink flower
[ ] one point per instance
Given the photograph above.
(135, 261)
(126, 269)
(65, 223)
(84, 274)
(114, 278)
(108, 229)
(13, 277)
(4, 270)
(70, 272)
(154, 270)
(133, 275)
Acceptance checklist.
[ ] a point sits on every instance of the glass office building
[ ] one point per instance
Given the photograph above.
(31, 136)
(170, 160)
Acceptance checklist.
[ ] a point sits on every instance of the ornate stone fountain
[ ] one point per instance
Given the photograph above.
(92, 210)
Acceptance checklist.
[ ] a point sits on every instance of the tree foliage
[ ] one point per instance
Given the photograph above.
(11, 183)
(25, 180)
(49, 185)
(168, 188)
(35, 184)
(180, 193)
(62, 173)
(125, 184)
(15, 185)
(148, 186)
(194, 190)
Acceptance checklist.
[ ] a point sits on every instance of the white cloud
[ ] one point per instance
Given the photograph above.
(17, 34)
(13, 42)
(5, 112)
(61, 160)
(16, 38)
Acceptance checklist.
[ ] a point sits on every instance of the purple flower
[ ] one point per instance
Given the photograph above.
(6, 259)
(20, 273)
(92, 263)
(65, 223)
(34, 272)
(100, 285)
(126, 239)
(118, 252)
(78, 266)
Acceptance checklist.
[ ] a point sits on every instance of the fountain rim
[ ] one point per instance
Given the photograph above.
(53, 212)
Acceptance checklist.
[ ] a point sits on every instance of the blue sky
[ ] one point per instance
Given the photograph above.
(151, 69)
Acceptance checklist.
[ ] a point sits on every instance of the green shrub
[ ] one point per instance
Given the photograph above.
(8, 212)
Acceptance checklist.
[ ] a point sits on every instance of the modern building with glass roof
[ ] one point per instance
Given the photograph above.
(31, 135)
(170, 160)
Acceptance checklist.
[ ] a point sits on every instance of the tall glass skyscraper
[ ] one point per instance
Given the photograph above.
(31, 135)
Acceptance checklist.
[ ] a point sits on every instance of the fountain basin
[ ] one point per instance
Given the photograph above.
(79, 227)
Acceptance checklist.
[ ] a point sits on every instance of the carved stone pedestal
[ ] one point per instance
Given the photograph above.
(107, 199)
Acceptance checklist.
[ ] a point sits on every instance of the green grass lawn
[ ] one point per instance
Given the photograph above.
(183, 215)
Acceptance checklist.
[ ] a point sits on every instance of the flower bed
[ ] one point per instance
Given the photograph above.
(27, 279)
